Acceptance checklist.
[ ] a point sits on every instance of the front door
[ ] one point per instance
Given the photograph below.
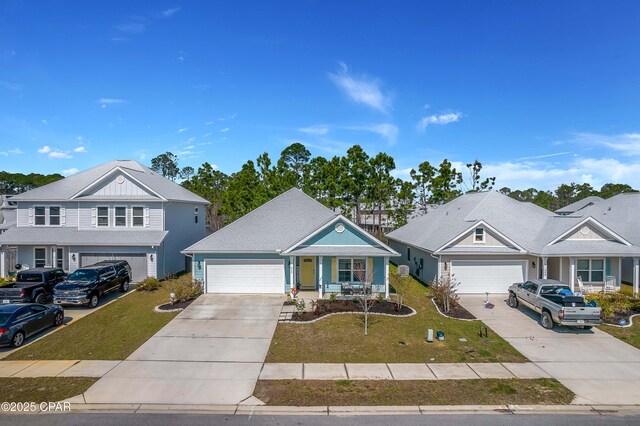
(308, 272)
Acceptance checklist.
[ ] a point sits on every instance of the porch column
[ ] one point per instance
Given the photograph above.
(619, 277)
(320, 281)
(386, 277)
(636, 272)
(561, 259)
(3, 269)
(544, 268)
(572, 273)
(54, 256)
(292, 272)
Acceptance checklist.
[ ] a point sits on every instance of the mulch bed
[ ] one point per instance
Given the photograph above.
(326, 307)
(179, 305)
(615, 318)
(456, 312)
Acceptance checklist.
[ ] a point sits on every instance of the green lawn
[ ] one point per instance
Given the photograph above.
(340, 338)
(111, 333)
(42, 389)
(630, 335)
(423, 392)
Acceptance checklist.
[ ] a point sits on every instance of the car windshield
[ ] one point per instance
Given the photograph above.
(4, 317)
(83, 275)
(554, 289)
(29, 278)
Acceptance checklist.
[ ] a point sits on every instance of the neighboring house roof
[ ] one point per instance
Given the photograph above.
(35, 235)
(272, 227)
(580, 204)
(73, 187)
(283, 225)
(534, 229)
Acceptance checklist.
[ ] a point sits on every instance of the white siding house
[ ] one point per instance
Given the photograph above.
(119, 210)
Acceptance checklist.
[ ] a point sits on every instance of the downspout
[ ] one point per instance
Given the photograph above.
(439, 259)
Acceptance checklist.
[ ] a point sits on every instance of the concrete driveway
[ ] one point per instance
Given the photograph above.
(211, 353)
(597, 367)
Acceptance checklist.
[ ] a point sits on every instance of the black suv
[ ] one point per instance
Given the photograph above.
(32, 285)
(87, 285)
(122, 268)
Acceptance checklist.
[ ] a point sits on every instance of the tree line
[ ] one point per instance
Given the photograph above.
(352, 184)
(15, 183)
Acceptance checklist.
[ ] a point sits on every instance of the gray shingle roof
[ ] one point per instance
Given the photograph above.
(272, 227)
(340, 251)
(70, 236)
(580, 204)
(65, 189)
(593, 247)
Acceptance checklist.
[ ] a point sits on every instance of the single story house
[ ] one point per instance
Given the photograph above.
(290, 242)
(487, 241)
(117, 210)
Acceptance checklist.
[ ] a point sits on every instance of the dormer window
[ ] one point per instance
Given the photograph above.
(478, 236)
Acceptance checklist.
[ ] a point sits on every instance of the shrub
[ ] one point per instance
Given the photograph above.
(185, 288)
(445, 292)
(614, 304)
(380, 298)
(300, 306)
(149, 284)
(333, 297)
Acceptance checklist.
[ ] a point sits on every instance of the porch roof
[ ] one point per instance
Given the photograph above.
(70, 236)
(347, 251)
(591, 247)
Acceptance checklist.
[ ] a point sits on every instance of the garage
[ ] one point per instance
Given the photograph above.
(487, 276)
(245, 276)
(137, 261)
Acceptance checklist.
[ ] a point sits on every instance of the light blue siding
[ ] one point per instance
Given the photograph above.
(378, 270)
(329, 237)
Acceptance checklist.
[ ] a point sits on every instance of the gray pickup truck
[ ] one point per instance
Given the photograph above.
(555, 302)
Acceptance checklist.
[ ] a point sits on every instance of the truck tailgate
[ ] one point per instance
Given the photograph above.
(8, 295)
(581, 313)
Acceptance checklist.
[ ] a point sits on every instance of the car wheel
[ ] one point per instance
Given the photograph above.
(59, 319)
(18, 339)
(513, 300)
(40, 298)
(546, 321)
(125, 286)
(93, 301)
(587, 327)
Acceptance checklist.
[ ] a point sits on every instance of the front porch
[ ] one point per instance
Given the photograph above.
(343, 276)
(594, 273)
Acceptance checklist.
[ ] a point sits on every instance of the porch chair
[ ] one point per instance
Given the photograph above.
(610, 284)
(584, 289)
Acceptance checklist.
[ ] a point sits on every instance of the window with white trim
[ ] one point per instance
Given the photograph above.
(591, 270)
(352, 270)
(408, 254)
(39, 215)
(54, 216)
(137, 216)
(478, 236)
(39, 257)
(103, 216)
(121, 216)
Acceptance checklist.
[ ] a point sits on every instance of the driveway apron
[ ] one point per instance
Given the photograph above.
(596, 366)
(211, 353)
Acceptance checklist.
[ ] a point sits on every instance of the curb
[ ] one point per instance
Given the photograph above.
(357, 410)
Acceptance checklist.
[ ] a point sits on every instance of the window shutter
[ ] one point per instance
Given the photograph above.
(146, 217)
(333, 270)
(63, 216)
(93, 216)
(30, 215)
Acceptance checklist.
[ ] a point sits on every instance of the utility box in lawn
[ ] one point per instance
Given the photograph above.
(403, 270)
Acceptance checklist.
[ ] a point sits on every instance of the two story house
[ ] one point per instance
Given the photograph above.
(118, 210)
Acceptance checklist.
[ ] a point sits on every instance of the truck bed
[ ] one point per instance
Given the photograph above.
(573, 301)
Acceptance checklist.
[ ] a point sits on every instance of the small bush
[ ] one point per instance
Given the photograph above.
(184, 288)
(333, 297)
(614, 304)
(380, 298)
(445, 293)
(149, 284)
(300, 306)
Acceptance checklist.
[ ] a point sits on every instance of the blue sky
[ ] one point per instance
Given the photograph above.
(542, 92)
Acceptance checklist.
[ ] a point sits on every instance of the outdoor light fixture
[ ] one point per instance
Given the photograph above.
(533, 264)
(199, 265)
(445, 266)
(73, 257)
(151, 257)
(172, 297)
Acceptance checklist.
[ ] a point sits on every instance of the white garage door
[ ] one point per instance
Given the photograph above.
(495, 276)
(137, 261)
(245, 276)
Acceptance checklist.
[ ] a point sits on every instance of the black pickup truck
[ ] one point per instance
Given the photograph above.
(87, 285)
(32, 285)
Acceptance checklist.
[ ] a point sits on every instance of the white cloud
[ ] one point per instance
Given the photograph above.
(209, 123)
(206, 134)
(402, 173)
(110, 101)
(44, 150)
(80, 149)
(447, 118)
(182, 130)
(386, 130)
(69, 172)
(225, 130)
(168, 13)
(131, 27)
(625, 143)
(317, 130)
(539, 157)
(362, 90)
(191, 139)
(14, 151)
(228, 117)
(45, 122)
(59, 154)
(9, 85)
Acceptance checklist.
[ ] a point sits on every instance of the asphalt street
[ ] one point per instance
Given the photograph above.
(215, 419)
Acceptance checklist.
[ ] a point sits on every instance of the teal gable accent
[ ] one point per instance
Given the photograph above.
(329, 237)
(326, 269)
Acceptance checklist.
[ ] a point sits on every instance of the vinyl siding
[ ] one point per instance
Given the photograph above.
(68, 214)
(112, 188)
(430, 265)
(183, 232)
(588, 232)
(156, 215)
(490, 240)
(329, 237)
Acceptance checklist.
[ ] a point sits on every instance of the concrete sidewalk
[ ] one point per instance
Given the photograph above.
(63, 368)
(432, 371)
